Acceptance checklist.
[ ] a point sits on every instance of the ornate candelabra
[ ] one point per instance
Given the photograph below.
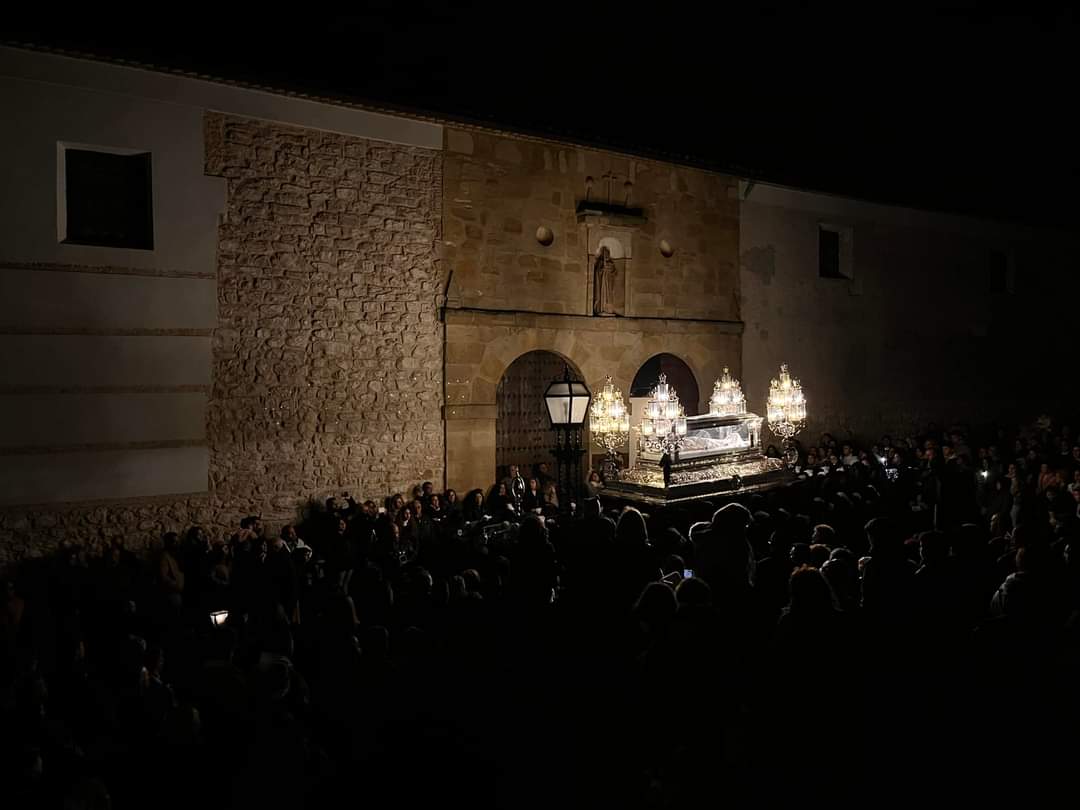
(727, 396)
(609, 424)
(786, 411)
(663, 426)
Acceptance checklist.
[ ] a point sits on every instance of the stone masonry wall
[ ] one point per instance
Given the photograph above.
(499, 190)
(327, 359)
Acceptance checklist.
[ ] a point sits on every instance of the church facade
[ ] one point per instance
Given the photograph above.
(602, 260)
(293, 298)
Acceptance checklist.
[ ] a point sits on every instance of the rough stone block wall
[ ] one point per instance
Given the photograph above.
(327, 356)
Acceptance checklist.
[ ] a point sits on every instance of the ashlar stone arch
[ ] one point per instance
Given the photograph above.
(481, 346)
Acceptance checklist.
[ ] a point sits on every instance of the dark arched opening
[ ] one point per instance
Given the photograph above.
(678, 375)
(523, 433)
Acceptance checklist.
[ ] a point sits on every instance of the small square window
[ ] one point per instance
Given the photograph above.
(828, 254)
(835, 252)
(107, 198)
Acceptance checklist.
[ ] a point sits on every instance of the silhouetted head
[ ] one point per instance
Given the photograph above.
(884, 539)
(630, 531)
(533, 532)
(694, 592)
(800, 554)
(656, 606)
(732, 520)
(933, 547)
(810, 593)
(824, 534)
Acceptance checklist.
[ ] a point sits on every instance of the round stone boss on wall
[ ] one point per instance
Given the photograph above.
(545, 236)
(666, 250)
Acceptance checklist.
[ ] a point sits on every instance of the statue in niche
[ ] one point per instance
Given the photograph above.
(604, 272)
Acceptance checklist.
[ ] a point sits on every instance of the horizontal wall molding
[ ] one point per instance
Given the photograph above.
(544, 320)
(72, 390)
(16, 330)
(78, 303)
(101, 421)
(45, 478)
(103, 270)
(199, 498)
(73, 360)
(101, 447)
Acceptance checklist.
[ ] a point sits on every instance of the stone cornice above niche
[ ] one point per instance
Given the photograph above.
(595, 212)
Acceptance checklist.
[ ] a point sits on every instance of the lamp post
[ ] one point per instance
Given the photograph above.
(567, 402)
(609, 425)
(786, 410)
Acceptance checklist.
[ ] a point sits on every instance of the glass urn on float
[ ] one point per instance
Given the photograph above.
(714, 453)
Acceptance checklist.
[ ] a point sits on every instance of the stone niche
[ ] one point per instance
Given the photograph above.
(618, 242)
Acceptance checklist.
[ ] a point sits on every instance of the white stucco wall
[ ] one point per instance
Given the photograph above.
(105, 354)
(915, 337)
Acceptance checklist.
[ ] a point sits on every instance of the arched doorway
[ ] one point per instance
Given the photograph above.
(522, 429)
(678, 374)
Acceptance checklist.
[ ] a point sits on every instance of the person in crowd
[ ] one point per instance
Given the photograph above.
(534, 497)
(513, 475)
(435, 510)
(543, 475)
(551, 498)
(887, 575)
(475, 507)
(500, 502)
(633, 561)
(594, 485)
(291, 538)
(705, 648)
(170, 574)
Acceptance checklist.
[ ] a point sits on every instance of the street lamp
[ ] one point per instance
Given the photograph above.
(567, 402)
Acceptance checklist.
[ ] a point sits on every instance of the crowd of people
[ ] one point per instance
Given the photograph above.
(901, 622)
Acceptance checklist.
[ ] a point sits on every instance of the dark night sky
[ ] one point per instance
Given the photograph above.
(956, 109)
